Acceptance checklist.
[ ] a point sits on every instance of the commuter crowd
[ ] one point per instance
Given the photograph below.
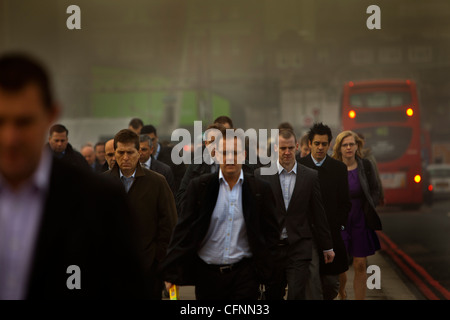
(136, 223)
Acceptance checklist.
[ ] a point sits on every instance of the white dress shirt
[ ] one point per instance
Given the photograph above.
(148, 163)
(226, 240)
(287, 182)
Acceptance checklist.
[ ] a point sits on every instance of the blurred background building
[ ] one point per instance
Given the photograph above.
(262, 62)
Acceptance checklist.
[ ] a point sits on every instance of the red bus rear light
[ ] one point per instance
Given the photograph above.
(417, 178)
(409, 112)
(430, 187)
(352, 114)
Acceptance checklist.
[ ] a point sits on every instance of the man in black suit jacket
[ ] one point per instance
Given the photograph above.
(58, 142)
(70, 234)
(224, 263)
(300, 212)
(86, 222)
(205, 164)
(336, 200)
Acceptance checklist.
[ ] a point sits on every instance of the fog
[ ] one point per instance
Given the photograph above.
(262, 62)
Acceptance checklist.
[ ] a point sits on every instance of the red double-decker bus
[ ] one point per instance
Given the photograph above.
(387, 113)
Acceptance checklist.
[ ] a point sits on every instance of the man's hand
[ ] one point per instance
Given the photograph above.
(328, 256)
(168, 285)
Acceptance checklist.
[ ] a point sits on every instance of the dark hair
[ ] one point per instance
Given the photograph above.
(147, 129)
(287, 133)
(145, 138)
(126, 136)
(135, 123)
(285, 125)
(234, 133)
(18, 71)
(59, 128)
(304, 140)
(320, 129)
(217, 126)
(224, 119)
(100, 143)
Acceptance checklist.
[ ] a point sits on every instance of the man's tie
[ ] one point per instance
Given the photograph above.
(127, 182)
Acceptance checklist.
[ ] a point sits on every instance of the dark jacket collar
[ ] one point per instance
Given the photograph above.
(139, 171)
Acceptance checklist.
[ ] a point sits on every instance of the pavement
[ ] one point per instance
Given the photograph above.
(394, 284)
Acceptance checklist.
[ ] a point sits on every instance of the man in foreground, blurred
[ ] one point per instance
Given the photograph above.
(65, 233)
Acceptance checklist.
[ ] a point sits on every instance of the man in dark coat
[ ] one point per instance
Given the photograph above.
(206, 163)
(58, 142)
(153, 204)
(336, 200)
(300, 213)
(69, 234)
(225, 239)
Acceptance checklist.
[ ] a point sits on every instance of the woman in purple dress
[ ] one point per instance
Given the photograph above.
(359, 234)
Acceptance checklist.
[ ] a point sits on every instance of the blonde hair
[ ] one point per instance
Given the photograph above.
(337, 154)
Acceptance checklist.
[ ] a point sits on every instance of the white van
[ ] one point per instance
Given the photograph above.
(440, 180)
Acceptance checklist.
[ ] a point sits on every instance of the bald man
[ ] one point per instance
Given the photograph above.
(109, 153)
(88, 152)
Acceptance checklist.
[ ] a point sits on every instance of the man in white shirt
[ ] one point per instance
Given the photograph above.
(225, 240)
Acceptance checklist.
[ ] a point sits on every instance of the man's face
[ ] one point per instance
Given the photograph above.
(89, 154)
(209, 142)
(319, 146)
(155, 140)
(286, 149)
(145, 151)
(304, 150)
(127, 156)
(110, 155)
(58, 141)
(100, 153)
(230, 155)
(24, 123)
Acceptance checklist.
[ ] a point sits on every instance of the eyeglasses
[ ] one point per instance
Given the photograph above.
(351, 145)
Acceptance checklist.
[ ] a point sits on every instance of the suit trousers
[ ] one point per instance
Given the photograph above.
(320, 286)
(291, 271)
(153, 282)
(236, 283)
(314, 285)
